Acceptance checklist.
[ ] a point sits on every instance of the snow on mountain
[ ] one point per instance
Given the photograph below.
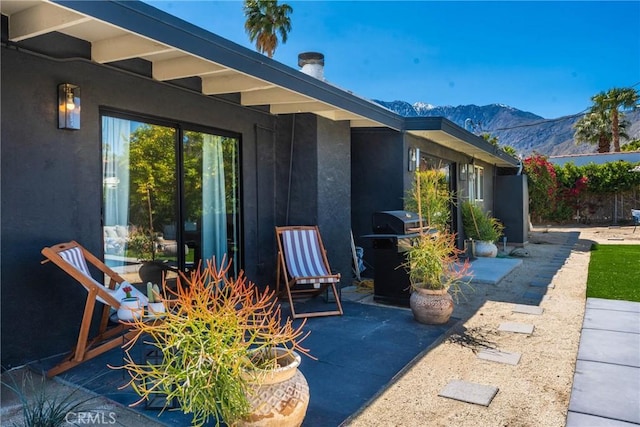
(525, 131)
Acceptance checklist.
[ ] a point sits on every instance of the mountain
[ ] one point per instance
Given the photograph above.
(525, 131)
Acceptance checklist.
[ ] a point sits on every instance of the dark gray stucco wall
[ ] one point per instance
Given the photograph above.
(377, 179)
(334, 194)
(51, 185)
(512, 207)
(381, 177)
(314, 182)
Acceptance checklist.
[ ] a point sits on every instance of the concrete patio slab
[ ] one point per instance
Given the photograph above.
(519, 328)
(612, 320)
(363, 351)
(609, 304)
(541, 284)
(465, 391)
(499, 356)
(575, 419)
(620, 348)
(606, 390)
(606, 384)
(534, 294)
(492, 270)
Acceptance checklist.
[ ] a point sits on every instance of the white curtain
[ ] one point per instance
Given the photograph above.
(116, 135)
(214, 209)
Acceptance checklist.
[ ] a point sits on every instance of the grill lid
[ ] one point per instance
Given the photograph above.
(396, 222)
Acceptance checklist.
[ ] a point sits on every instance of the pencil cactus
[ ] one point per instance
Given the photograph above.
(153, 292)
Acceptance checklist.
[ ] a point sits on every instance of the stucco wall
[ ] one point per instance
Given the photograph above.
(51, 185)
(315, 152)
(381, 177)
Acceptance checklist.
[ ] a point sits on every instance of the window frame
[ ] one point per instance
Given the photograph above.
(181, 127)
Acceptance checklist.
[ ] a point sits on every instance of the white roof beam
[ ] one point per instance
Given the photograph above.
(184, 66)
(299, 107)
(42, 19)
(231, 83)
(363, 123)
(272, 96)
(345, 115)
(125, 47)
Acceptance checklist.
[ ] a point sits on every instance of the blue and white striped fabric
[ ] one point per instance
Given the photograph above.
(304, 257)
(75, 257)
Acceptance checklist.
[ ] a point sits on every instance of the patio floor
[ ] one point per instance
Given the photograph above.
(358, 355)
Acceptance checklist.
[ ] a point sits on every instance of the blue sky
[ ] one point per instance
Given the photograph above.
(548, 58)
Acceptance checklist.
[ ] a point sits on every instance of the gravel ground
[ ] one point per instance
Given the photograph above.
(536, 391)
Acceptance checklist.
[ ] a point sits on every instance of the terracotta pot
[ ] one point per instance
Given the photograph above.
(281, 397)
(485, 249)
(431, 306)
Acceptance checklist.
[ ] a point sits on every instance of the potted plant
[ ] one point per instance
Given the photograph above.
(434, 196)
(130, 307)
(155, 306)
(433, 264)
(224, 353)
(483, 228)
(143, 244)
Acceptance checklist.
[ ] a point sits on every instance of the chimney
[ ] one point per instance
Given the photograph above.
(312, 63)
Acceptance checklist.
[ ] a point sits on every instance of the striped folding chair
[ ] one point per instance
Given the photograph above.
(72, 258)
(304, 268)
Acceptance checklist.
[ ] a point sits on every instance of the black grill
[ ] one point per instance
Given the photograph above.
(396, 222)
(393, 233)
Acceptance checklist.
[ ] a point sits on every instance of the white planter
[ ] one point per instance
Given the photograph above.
(485, 249)
(130, 309)
(156, 309)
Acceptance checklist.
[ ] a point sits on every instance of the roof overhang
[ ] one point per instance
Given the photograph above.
(121, 30)
(445, 132)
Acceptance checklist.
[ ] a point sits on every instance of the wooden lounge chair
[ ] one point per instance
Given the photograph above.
(304, 269)
(72, 258)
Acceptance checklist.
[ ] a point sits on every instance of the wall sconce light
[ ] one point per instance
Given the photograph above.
(414, 159)
(463, 171)
(68, 106)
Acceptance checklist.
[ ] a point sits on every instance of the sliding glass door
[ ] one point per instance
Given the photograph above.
(170, 198)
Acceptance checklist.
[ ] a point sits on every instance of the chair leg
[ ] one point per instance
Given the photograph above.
(337, 312)
(337, 295)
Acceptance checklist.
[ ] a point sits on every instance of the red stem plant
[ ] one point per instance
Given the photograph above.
(213, 326)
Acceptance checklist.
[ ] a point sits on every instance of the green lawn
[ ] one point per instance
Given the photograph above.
(614, 272)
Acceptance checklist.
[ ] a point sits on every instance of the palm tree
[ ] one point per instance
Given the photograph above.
(594, 128)
(612, 101)
(265, 20)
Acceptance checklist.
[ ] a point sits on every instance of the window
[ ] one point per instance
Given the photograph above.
(173, 203)
(476, 183)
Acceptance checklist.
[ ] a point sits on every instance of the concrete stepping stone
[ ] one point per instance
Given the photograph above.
(465, 391)
(499, 356)
(527, 309)
(519, 328)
